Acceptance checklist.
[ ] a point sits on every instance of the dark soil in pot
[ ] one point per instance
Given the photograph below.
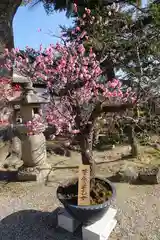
(99, 192)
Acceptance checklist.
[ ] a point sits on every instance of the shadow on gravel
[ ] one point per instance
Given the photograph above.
(9, 176)
(32, 225)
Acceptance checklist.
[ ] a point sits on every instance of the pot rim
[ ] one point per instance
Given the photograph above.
(98, 206)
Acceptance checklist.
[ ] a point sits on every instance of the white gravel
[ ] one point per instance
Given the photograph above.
(138, 212)
(27, 212)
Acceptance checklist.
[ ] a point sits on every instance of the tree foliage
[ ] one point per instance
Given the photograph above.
(125, 39)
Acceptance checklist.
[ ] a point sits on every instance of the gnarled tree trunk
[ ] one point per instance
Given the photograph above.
(132, 140)
(8, 10)
(86, 144)
(96, 136)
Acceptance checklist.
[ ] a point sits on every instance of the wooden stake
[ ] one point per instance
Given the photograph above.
(84, 185)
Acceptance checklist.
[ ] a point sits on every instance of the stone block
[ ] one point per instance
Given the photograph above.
(150, 175)
(66, 222)
(127, 174)
(104, 235)
(101, 229)
(38, 173)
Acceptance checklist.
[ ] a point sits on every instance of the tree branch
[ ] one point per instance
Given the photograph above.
(116, 108)
(69, 87)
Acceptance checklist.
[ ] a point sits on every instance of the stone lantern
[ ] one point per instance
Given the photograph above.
(33, 147)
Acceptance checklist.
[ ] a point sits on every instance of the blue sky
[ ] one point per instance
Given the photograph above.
(27, 22)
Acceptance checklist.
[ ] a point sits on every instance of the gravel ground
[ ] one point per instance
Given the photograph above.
(138, 212)
(27, 211)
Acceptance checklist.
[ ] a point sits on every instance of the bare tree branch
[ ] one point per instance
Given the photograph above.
(116, 108)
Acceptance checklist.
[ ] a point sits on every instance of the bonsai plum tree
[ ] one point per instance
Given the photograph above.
(73, 78)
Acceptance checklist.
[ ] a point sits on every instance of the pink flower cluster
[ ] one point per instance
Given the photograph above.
(4, 122)
(6, 90)
(36, 126)
(58, 114)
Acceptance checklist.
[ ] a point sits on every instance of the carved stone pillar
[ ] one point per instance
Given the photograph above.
(34, 155)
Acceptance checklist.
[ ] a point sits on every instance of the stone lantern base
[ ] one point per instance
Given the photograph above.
(34, 156)
(39, 173)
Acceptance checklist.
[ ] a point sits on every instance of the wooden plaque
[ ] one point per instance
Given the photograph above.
(84, 185)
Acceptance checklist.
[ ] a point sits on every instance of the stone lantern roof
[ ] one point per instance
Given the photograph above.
(19, 79)
(29, 94)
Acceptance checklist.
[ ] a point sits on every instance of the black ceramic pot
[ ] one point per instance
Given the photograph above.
(87, 214)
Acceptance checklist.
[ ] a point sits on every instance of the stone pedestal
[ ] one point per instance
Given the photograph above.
(34, 157)
(66, 222)
(36, 173)
(99, 230)
(34, 150)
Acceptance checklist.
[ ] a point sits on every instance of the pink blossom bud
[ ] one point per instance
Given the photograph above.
(75, 9)
(6, 51)
(78, 29)
(88, 11)
(13, 51)
(75, 131)
(41, 48)
(91, 50)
